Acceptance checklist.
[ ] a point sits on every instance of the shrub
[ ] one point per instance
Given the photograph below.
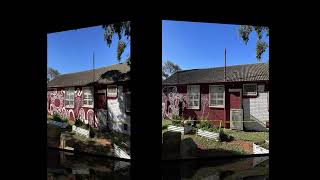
(193, 131)
(56, 117)
(91, 132)
(206, 126)
(177, 122)
(81, 124)
(224, 137)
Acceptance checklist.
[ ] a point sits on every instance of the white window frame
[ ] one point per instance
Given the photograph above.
(223, 98)
(68, 98)
(188, 94)
(84, 99)
(126, 94)
(111, 94)
(250, 93)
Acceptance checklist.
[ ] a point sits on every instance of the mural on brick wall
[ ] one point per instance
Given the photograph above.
(55, 104)
(172, 102)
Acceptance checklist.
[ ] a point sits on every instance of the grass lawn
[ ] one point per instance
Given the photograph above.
(256, 137)
(205, 143)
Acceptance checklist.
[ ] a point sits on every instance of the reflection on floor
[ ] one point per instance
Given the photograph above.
(244, 168)
(65, 165)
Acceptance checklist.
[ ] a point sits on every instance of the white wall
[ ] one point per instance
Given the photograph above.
(117, 114)
(256, 106)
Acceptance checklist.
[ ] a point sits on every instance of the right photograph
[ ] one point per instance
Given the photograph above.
(215, 90)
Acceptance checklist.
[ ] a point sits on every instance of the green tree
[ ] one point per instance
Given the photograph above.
(169, 68)
(122, 29)
(51, 73)
(261, 45)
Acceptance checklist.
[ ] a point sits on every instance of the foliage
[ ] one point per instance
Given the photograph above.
(81, 124)
(261, 46)
(51, 73)
(169, 68)
(205, 125)
(166, 123)
(224, 137)
(255, 137)
(121, 29)
(56, 117)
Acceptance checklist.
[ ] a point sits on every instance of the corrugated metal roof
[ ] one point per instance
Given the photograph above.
(105, 75)
(237, 73)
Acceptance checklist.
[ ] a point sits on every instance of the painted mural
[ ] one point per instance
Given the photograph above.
(55, 104)
(172, 102)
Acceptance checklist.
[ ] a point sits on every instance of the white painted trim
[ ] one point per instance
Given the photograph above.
(92, 94)
(245, 94)
(112, 94)
(224, 96)
(199, 99)
(65, 94)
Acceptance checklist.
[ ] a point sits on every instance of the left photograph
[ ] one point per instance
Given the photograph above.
(88, 93)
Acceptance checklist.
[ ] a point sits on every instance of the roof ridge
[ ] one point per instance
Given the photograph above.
(220, 67)
(109, 66)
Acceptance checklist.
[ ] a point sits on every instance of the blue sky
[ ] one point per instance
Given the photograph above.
(72, 51)
(201, 45)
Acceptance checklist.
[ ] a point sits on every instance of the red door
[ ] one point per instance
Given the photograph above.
(101, 101)
(235, 100)
(234, 111)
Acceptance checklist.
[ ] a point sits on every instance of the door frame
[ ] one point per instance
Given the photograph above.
(241, 108)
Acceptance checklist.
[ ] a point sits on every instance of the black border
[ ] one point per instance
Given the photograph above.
(24, 75)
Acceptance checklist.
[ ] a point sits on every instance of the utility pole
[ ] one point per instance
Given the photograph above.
(225, 74)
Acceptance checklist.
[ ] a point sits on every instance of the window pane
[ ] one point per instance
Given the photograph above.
(196, 103)
(190, 104)
(190, 97)
(220, 95)
(220, 102)
(196, 97)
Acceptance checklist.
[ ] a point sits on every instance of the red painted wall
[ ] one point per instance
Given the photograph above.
(213, 114)
(55, 104)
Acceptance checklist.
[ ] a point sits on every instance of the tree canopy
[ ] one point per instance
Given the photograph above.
(121, 29)
(51, 73)
(261, 45)
(169, 68)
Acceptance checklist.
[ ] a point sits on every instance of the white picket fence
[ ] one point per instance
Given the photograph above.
(259, 150)
(80, 131)
(59, 124)
(120, 153)
(207, 134)
(182, 130)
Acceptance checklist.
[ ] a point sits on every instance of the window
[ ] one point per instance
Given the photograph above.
(216, 96)
(112, 91)
(194, 97)
(128, 101)
(69, 98)
(250, 89)
(87, 97)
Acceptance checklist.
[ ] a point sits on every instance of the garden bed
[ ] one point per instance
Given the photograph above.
(207, 134)
(81, 131)
(182, 130)
(57, 123)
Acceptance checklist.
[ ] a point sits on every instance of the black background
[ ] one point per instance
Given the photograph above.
(293, 81)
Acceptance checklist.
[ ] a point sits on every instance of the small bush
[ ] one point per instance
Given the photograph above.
(92, 134)
(164, 127)
(224, 137)
(56, 117)
(81, 124)
(177, 123)
(193, 131)
(206, 126)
